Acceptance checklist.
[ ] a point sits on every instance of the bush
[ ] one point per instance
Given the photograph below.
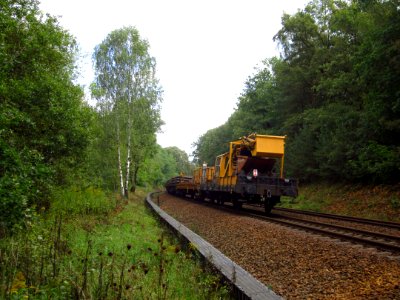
(77, 201)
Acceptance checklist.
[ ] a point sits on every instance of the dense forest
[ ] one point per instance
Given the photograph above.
(51, 140)
(334, 91)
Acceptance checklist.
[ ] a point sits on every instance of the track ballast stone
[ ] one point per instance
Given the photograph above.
(295, 264)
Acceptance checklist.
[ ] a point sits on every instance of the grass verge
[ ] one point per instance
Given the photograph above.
(374, 202)
(89, 252)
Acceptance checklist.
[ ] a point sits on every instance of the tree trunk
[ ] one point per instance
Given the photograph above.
(121, 176)
(128, 164)
(134, 178)
(129, 133)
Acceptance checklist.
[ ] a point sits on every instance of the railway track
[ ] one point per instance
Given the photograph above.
(298, 264)
(341, 217)
(380, 241)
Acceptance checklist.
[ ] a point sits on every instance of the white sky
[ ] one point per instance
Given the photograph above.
(205, 50)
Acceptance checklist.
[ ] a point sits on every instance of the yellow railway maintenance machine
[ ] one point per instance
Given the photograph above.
(251, 172)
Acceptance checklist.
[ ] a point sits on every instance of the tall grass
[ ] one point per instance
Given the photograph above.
(74, 200)
(100, 250)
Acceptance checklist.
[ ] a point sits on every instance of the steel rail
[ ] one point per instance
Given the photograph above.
(349, 236)
(316, 227)
(340, 217)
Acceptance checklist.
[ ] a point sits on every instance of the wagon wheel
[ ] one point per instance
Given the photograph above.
(270, 203)
(237, 204)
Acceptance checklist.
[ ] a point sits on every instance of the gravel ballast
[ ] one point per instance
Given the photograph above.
(295, 264)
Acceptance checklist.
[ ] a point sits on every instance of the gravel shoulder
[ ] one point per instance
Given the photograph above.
(295, 264)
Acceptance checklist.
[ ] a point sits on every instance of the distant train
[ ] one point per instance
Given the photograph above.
(245, 174)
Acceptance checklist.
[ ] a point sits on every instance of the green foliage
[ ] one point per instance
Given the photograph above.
(256, 111)
(334, 92)
(211, 144)
(395, 202)
(43, 121)
(380, 202)
(128, 98)
(77, 201)
(125, 255)
(166, 163)
(377, 162)
(24, 182)
(303, 203)
(180, 159)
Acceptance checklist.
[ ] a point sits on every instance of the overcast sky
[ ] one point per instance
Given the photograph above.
(205, 50)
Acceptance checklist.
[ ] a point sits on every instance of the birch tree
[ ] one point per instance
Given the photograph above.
(126, 87)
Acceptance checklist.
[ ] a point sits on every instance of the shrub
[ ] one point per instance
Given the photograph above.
(77, 201)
